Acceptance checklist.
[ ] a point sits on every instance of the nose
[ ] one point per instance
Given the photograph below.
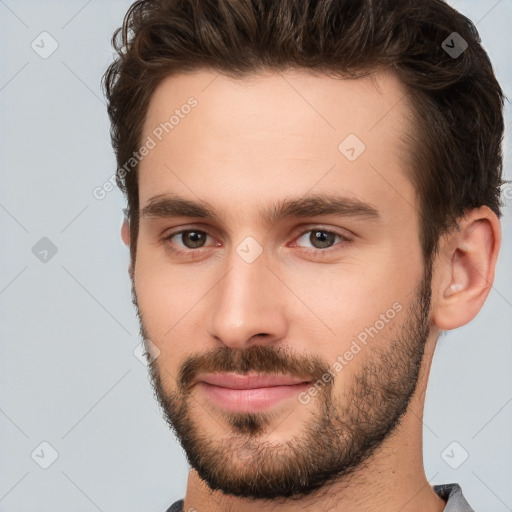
(249, 305)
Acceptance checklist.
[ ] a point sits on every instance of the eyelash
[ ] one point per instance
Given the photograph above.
(201, 250)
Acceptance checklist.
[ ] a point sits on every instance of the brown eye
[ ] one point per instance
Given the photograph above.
(192, 239)
(320, 238)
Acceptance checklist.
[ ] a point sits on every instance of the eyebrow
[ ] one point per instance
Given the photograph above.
(170, 205)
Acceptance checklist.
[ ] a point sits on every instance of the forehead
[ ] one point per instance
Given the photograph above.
(271, 134)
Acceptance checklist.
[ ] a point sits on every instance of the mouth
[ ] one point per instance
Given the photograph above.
(249, 393)
(249, 381)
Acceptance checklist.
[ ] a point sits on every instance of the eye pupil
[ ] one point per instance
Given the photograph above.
(196, 237)
(324, 238)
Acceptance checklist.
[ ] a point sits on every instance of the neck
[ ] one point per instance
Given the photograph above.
(386, 484)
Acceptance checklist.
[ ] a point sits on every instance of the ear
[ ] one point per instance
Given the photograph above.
(125, 235)
(464, 269)
(125, 232)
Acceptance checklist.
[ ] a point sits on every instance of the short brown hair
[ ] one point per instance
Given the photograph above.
(457, 103)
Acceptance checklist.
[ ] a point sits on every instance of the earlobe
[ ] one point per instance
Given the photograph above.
(466, 269)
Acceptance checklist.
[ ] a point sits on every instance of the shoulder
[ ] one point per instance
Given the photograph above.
(452, 494)
(177, 506)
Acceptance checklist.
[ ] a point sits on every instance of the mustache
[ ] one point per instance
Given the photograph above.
(263, 359)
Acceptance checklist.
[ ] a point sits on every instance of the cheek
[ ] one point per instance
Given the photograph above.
(164, 297)
(363, 304)
(166, 287)
(363, 328)
(164, 315)
(350, 295)
(174, 301)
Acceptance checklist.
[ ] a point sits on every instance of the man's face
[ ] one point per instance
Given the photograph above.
(339, 300)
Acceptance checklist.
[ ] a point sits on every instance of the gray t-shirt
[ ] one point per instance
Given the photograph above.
(451, 493)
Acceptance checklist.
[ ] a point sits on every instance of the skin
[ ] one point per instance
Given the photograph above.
(250, 143)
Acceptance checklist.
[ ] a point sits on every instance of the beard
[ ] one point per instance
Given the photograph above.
(339, 435)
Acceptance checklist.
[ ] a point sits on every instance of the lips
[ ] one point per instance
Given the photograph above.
(250, 381)
(249, 393)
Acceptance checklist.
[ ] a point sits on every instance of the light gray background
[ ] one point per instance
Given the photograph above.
(68, 375)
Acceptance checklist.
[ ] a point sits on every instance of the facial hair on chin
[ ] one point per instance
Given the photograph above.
(340, 434)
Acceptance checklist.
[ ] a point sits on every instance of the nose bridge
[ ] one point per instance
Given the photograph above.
(247, 301)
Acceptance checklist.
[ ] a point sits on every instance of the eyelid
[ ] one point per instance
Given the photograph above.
(345, 239)
(312, 227)
(207, 229)
(318, 227)
(172, 234)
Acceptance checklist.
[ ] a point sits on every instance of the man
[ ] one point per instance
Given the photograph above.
(313, 198)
